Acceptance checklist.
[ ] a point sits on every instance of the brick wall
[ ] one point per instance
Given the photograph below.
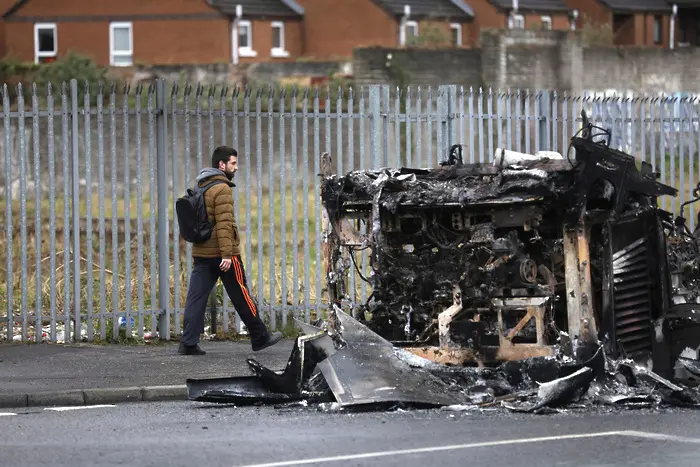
(422, 67)
(529, 59)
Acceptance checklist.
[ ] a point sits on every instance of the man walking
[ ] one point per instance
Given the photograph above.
(220, 257)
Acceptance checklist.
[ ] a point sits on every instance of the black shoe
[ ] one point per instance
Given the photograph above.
(190, 350)
(273, 339)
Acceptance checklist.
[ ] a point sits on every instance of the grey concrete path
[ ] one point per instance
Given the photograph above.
(49, 374)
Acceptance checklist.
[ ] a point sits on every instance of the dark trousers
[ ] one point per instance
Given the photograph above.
(205, 273)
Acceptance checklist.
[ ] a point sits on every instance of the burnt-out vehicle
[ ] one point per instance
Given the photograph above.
(528, 256)
(546, 278)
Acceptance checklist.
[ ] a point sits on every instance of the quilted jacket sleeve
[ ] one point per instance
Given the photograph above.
(225, 224)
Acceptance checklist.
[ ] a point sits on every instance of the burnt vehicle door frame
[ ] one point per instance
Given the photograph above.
(596, 162)
(617, 313)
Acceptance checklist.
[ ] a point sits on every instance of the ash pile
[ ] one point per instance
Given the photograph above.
(534, 282)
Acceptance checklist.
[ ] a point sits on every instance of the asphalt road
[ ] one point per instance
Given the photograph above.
(190, 434)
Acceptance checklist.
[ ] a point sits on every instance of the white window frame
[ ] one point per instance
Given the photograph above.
(121, 53)
(546, 22)
(458, 28)
(245, 51)
(279, 51)
(411, 24)
(517, 21)
(37, 53)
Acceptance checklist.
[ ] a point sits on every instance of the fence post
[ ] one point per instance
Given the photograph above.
(163, 243)
(441, 105)
(453, 112)
(386, 109)
(375, 125)
(76, 213)
(447, 131)
(212, 311)
(543, 121)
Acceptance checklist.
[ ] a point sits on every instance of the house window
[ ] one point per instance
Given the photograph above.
(456, 30)
(657, 29)
(516, 22)
(278, 49)
(546, 22)
(411, 30)
(407, 32)
(45, 49)
(121, 44)
(245, 39)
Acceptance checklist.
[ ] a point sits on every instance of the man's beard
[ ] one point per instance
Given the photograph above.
(229, 175)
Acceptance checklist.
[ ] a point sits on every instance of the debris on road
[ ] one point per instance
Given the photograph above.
(535, 282)
(348, 366)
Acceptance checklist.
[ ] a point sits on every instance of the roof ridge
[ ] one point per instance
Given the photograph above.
(294, 6)
(391, 6)
(463, 6)
(13, 9)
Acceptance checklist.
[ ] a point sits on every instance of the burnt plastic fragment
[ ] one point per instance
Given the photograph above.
(560, 391)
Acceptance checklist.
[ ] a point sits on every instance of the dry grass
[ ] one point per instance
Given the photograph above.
(136, 293)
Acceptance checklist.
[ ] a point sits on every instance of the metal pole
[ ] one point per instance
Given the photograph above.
(76, 211)
(212, 310)
(162, 184)
(452, 118)
(543, 121)
(375, 125)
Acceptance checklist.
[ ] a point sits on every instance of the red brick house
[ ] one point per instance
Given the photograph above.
(4, 6)
(522, 14)
(172, 32)
(633, 22)
(385, 23)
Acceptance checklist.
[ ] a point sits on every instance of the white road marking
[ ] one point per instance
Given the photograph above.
(7, 414)
(660, 436)
(80, 407)
(454, 447)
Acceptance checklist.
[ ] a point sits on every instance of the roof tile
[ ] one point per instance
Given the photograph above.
(533, 5)
(454, 9)
(279, 8)
(637, 5)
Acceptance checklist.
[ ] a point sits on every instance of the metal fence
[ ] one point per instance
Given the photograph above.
(90, 177)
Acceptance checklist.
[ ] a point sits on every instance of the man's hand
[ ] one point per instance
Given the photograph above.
(225, 264)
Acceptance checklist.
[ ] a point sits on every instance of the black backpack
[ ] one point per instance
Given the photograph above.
(192, 214)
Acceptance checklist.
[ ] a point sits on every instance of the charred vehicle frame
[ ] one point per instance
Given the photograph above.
(526, 257)
(537, 275)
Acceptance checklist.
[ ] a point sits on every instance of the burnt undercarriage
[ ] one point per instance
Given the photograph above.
(488, 279)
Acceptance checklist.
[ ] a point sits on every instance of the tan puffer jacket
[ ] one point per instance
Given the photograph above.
(224, 241)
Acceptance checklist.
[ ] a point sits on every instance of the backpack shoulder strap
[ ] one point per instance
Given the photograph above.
(209, 185)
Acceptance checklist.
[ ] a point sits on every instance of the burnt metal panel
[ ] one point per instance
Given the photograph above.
(243, 390)
(367, 372)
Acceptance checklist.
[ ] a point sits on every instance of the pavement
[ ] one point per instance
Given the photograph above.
(180, 433)
(33, 375)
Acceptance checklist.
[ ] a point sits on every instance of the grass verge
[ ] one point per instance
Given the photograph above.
(131, 283)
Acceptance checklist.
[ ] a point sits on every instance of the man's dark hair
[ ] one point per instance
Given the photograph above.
(222, 154)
